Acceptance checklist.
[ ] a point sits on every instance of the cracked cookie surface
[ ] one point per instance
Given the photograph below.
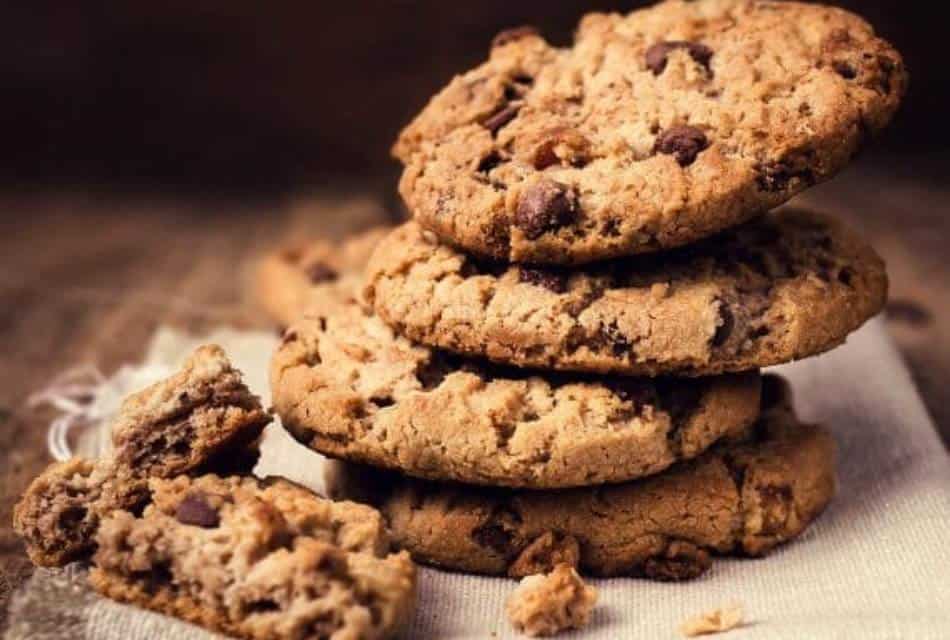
(653, 130)
(257, 559)
(286, 282)
(345, 385)
(741, 499)
(785, 286)
(202, 418)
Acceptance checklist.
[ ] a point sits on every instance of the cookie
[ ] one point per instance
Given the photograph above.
(788, 285)
(201, 418)
(257, 560)
(546, 604)
(741, 499)
(345, 385)
(289, 280)
(653, 130)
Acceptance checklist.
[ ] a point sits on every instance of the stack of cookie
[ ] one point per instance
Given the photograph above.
(557, 360)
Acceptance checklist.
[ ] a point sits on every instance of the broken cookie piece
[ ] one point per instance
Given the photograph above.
(200, 419)
(546, 604)
(257, 559)
(711, 622)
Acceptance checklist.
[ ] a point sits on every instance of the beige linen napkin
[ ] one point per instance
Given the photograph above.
(875, 565)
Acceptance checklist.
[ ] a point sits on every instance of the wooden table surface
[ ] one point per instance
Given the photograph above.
(89, 277)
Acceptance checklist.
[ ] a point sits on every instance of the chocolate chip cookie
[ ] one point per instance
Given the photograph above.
(653, 130)
(257, 560)
(742, 499)
(788, 285)
(289, 280)
(202, 418)
(345, 385)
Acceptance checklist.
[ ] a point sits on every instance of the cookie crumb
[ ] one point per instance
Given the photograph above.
(546, 604)
(716, 621)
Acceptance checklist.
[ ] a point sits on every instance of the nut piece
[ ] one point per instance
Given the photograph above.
(715, 621)
(546, 604)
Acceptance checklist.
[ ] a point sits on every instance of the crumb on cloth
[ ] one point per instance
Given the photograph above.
(715, 621)
(546, 604)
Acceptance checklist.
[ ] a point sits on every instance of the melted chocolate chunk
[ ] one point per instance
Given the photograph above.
(545, 206)
(551, 280)
(195, 510)
(683, 142)
(500, 118)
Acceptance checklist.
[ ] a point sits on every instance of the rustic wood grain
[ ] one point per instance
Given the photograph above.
(88, 278)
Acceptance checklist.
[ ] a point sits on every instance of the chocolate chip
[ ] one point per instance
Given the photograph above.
(727, 323)
(657, 55)
(683, 142)
(844, 70)
(511, 35)
(680, 561)
(320, 272)
(500, 118)
(546, 278)
(774, 177)
(493, 536)
(545, 206)
(195, 510)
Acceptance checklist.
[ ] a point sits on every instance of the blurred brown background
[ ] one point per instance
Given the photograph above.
(239, 94)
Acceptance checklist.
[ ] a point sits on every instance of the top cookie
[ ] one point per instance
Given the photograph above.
(789, 285)
(654, 130)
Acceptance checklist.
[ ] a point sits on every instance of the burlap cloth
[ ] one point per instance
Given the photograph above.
(876, 564)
